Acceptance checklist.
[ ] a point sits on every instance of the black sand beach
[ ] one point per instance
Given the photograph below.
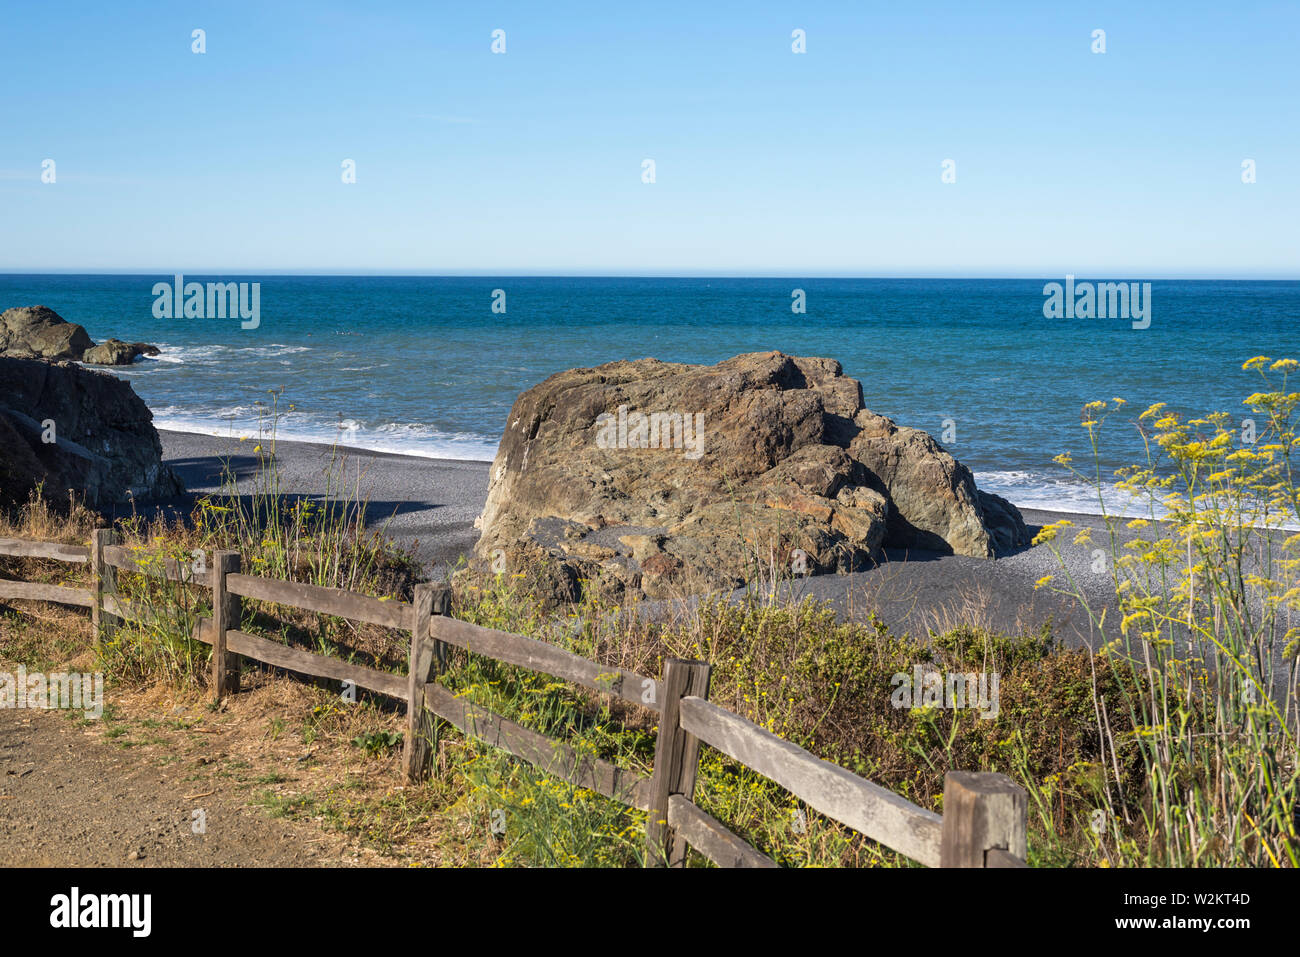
(427, 504)
(431, 504)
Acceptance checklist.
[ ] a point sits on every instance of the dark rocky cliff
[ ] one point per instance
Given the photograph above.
(79, 429)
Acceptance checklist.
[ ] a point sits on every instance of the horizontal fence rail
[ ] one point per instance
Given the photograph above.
(548, 754)
(329, 601)
(305, 662)
(877, 812)
(984, 818)
(549, 659)
(119, 607)
(1001, 857)
(172, 569)
(21, 548)
(711, 838)
(34, 591)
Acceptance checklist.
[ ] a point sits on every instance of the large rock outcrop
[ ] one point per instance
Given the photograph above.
(78, 429)
(38, 332)
(651, 477)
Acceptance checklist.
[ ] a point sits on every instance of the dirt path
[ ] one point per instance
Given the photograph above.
(69, 798)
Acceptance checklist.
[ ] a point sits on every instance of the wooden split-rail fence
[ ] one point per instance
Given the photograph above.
(984, 818)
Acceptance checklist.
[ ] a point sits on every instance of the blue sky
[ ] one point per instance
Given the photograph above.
(1126, 163)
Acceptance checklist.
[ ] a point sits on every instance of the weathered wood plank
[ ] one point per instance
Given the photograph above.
(549, 659)
(120, 556)
(227, 615)
(329, 601)
(32, 591)
(982, 812)
(119, 607)
(21, 548)
(677, 758)
(551, 756)
(103, 584)
(999, 857)
(305, 662)
(711, 838)
(878, 813)
(420, 741)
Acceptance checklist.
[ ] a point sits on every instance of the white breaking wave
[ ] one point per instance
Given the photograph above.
(396, 438)
(200, 355)
(183, 355)
(1054, 493)
(1061, 493)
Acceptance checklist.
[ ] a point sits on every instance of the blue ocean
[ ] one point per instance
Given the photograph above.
(425, 366)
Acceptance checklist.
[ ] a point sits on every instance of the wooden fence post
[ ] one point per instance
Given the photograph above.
(441, 606)
(421, 731)
(677, 759)
(227, 614)
(981, 813)
(103, 581)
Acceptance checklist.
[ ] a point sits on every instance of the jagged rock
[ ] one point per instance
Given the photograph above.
(41, 331)
(78, 429)
(20, 469)
(115, 352)
(38, 332)
(1003, 521)
(648, 477)
(935, 506)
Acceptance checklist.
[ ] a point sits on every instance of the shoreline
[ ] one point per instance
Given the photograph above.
(430, 505)
(186, 435)
(282, 436)
(348, 450)
(1033, 514)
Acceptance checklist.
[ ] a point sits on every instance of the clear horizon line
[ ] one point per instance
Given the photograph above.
(568, 274)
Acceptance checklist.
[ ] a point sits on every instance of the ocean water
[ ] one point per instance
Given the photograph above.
(424, 366)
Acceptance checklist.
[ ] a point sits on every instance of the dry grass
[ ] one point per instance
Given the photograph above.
(973, 606)
(290, 747)
(295, 748)
(41, 520)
